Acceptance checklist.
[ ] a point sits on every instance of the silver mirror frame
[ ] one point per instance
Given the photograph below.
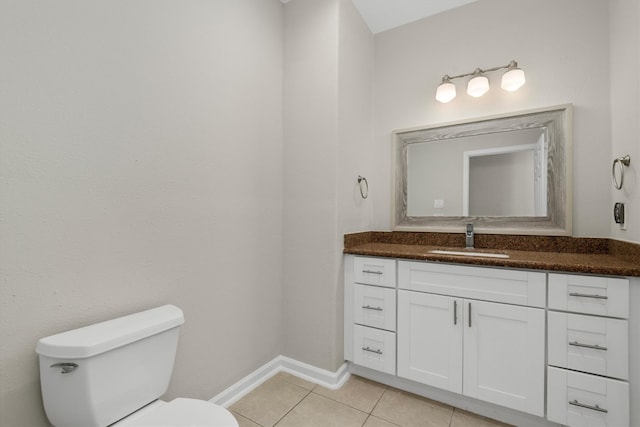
(557, 123)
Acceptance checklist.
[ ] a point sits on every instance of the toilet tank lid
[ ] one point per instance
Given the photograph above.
(104, 336)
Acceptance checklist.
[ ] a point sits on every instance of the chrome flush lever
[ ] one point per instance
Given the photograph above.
(66, 367)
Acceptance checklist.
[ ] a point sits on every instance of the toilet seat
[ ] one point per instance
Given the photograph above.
(180, 412)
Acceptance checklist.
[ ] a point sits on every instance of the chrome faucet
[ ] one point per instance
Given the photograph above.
(469, 236)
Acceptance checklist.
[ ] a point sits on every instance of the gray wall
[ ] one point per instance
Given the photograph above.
(141, 160)
(144, 159)
(310, 170)
(563, 46)
(624, 19)
(327, 127)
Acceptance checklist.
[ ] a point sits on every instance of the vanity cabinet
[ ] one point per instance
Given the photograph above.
(373, 313)
(451, 337)
(514, 338)
(588, 354)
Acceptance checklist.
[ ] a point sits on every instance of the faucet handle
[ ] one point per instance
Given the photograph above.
(469, 236)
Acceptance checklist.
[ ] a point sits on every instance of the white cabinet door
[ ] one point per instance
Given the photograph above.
(504, 355)
(499, 347)
(430, 339)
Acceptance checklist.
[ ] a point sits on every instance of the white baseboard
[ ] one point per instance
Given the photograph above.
(322, 377)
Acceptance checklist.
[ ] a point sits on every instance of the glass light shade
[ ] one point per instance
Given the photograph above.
(446, 92)
(478, 86)
(513, 79)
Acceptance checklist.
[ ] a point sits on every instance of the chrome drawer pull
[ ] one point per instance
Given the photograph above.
(372, 272)
(455, 312)
(593, 408)
(370, 350)
(368, 307)
(575, 294)
(593, 346)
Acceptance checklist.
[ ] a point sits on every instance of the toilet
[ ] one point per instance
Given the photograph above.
(113, 373)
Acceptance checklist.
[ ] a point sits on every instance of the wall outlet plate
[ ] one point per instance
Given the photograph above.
(618, 213)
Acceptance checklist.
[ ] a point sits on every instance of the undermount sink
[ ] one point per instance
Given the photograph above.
(470, 253)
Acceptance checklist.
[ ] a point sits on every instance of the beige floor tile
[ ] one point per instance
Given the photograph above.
(409, 410)
(357, 392)
(318, 411)
(285, 376)
(377, 422)
(244, 422)
(467, 419)
(269, 402)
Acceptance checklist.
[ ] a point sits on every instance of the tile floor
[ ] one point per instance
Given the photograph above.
(288, 401)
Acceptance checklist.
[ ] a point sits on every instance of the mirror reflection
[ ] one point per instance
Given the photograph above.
(506, 174)
(511, 164)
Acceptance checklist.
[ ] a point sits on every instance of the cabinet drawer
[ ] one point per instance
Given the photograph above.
(577, 399)
(605, 296)
(592, 344)
(375, 349)
(375, 271)
(491, 284)
(374, 306)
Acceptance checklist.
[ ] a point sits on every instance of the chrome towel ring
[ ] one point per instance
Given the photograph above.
(364, 189)
(623, 161)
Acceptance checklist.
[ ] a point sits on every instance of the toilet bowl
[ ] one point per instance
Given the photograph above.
(113, 373)
(180, 412)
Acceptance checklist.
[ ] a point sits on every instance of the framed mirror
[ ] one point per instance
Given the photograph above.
(505, 174)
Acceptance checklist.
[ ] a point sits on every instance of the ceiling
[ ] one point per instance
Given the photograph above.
(382, 15)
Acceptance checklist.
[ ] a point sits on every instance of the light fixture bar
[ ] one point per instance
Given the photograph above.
(478, 85)
(510, 65)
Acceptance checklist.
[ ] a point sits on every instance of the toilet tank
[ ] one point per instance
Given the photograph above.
(96, 375)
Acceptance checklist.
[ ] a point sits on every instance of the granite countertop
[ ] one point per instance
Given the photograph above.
(553, 253)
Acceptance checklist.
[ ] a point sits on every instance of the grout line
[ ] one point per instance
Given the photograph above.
(294, 407)
(282, 380)
(383, 419)
(387, 388)
(244, 416)
(384, 388)
(298, 385)
(454, 411)
(340, 403)
(379, 399)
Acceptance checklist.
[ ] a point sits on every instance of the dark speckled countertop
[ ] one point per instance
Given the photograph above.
(553, 253)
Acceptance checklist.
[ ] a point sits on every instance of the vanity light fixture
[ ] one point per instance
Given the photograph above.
(478, 85)
(446, 91)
